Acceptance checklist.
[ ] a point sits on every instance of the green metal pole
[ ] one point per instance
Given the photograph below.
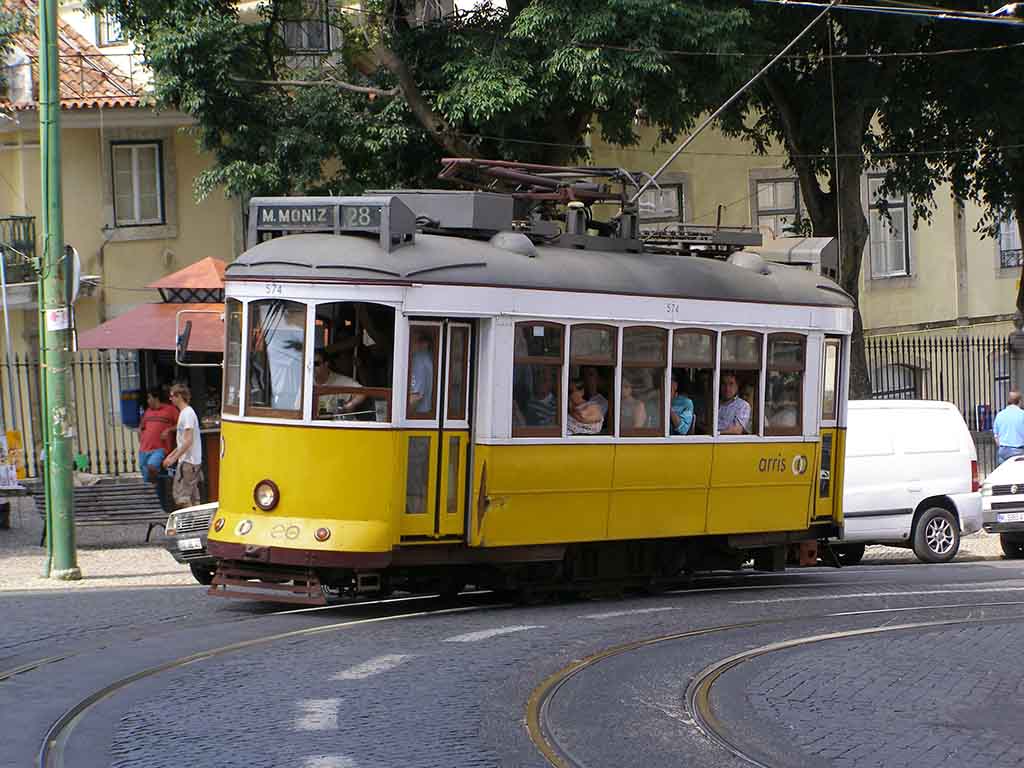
(57, 336)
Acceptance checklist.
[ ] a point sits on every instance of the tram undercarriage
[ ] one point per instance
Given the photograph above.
(526, 573)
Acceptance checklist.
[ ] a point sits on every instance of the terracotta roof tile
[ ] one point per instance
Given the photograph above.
(88, 78)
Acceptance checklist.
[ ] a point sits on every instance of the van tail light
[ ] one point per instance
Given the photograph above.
(975, 480)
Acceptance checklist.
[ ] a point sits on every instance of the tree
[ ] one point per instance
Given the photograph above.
(12, 23)
(820, 104)
(963, 124)
(525, 83)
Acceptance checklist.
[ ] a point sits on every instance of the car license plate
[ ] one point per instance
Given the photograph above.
(1010, 517)
(184, 544)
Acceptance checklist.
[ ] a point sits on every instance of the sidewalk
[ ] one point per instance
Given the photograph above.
(976, 546)
(109, 556)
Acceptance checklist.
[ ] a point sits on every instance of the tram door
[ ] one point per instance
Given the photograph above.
(828, 469)
(437, 438)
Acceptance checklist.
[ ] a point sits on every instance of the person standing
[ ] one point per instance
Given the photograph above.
(158, 424)
(189, 452)
(1008, 429)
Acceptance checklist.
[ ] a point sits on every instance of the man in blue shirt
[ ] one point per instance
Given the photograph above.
(421, 380)
(1008, 429)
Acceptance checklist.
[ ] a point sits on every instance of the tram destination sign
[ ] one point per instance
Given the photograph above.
(320, 217)
(385, 215)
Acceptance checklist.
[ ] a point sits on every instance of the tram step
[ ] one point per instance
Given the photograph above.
(299, 586)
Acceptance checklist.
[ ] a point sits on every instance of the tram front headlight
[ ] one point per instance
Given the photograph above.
(266, 495)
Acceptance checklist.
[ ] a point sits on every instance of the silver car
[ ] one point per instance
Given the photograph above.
(186, 533)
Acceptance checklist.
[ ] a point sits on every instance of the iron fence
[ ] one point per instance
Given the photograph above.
(98, 377)
(973, 373)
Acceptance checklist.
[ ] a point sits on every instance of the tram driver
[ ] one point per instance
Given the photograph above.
(733, 411)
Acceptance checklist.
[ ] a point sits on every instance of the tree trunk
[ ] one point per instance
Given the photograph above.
(853, 228)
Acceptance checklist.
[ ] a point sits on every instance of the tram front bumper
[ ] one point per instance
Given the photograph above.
(309, 558)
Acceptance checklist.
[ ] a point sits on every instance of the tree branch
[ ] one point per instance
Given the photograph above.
(329, 83)
(435, 124)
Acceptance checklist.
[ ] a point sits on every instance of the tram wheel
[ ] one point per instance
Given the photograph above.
(1013, 549)
(202, 573)
(849, 554)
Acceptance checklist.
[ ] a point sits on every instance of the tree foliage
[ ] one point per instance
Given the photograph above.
(958, 118)
(527, 83)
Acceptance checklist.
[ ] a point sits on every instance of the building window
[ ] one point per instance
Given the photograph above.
(108, 30)
(138, 183)
(778, 206)
(1009, 243)
(664, 205)
(889, 240)
(428, 11)
(310, 34)
(895, 382)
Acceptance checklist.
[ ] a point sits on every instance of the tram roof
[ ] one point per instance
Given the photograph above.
(447, 260)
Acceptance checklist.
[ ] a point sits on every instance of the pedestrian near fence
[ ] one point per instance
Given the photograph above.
(1008, 429)
(155, 439)
(189, 452)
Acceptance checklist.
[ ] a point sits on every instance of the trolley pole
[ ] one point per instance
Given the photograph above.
(56, 336)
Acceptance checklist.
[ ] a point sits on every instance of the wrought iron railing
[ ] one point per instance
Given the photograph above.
(1012, 257)
(973, 373)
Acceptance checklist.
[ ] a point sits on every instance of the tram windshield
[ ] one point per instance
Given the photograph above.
(353, 361)
(277, 342)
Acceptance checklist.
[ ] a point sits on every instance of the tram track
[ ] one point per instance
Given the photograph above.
(698, 693)
(52, 751)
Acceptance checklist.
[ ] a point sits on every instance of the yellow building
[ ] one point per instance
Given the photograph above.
(129, 210)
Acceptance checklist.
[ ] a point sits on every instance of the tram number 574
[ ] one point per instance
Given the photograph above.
(672, 309)
(272, 289)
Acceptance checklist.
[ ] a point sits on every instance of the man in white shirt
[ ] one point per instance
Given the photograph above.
(189, 451)
(323, 376)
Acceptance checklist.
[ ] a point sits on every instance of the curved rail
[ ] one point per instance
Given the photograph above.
(698, 695)
(51, 754)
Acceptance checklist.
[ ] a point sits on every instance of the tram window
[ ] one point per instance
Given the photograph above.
(784, 384)
(739, 384)
(537, 380)
(421, 397)
(417, 479)
(277, 341)
(831, 384)
(457, 372)
(691, 402)
(353, 361)
(641, 400)
(233, 355)
(592, 356)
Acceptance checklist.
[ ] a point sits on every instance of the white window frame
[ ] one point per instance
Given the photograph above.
(776, 212)
(135, 220)
(893, 204)
(658, 221)
(105, 22)
(316, 14)
(1008, 245)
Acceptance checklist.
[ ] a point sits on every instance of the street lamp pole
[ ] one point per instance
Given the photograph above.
(56, 336)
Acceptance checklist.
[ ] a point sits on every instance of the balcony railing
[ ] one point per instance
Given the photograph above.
(1010, 257)
(18, 243)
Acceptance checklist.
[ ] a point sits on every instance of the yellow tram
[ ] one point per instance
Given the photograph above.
(420, 392)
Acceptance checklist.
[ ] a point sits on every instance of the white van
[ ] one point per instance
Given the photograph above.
(911, 479)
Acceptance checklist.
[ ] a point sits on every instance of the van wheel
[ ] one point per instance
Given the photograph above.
(202, 573)
(1012, 548)
(936, 536)
(849, 554)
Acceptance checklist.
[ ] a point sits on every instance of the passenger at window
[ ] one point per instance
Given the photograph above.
(634, 411)
(681, 408)
(421, 378)
(733, 411)
(585, 417)
(542, 407)
(284, 354)
(591, 381)
(323, 376)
